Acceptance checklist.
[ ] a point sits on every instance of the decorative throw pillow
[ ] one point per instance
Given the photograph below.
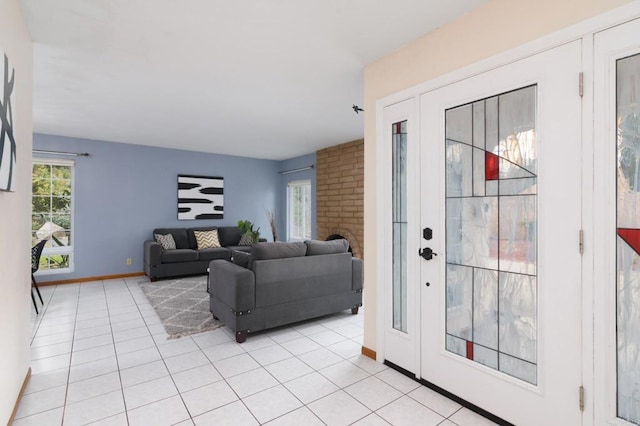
(246, 240)
(166, 241)
(207, 239)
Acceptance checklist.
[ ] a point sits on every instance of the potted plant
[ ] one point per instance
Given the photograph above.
(249, 235)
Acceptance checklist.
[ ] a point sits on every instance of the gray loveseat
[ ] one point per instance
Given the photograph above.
(284, 283)
(187, 259)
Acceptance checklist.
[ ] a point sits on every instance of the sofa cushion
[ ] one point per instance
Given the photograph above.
(206, 239)
(166, 241)
(315, 247)
(277, 250)
(179, 236)
(229, 235)
(241, 258)
(179, 255)
(214, 253)
(193, 243)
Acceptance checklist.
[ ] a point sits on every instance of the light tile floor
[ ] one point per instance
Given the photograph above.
(100, 356)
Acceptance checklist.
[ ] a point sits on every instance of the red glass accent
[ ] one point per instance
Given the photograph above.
(631, 237)
(398, 128)
(470, 350)
(491, 162)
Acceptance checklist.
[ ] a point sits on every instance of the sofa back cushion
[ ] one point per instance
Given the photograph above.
(193, 243)
(268, 251)
(229, 235)
(179, 236)
(315, 247)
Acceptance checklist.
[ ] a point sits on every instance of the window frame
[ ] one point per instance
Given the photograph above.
(70, 249)
(308, 205)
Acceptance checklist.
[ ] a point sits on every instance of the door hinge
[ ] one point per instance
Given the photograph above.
(581, 398)
(581, 84)
(581, 242)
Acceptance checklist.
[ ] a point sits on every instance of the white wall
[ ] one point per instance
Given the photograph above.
(498, 26)
(15, 209)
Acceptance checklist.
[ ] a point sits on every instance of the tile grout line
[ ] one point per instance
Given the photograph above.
(45, 308)
(41, 317)
(99, 375)
(39, 320)
(66, 392)
(124, 400)
(453, 414)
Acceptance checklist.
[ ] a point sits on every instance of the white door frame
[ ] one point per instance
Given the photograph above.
(584, 30)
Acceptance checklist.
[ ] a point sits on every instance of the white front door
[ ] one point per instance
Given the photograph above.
(617, 225)
(501, 191)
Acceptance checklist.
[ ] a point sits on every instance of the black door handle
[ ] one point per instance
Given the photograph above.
(427, 253)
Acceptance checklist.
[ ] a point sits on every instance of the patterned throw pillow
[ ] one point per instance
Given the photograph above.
(207, 239)
(246, 240)
(166, 241)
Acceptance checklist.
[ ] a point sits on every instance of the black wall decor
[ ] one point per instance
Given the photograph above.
(200, 197)
(7, 140)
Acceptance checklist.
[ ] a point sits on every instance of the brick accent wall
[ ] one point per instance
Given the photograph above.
(340, 193)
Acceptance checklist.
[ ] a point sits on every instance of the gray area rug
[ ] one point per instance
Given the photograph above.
(182, 305)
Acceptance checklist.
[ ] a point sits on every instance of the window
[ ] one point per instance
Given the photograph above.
(299, 210)
(52, 213)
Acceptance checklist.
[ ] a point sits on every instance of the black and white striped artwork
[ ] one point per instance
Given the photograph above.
(7, 140)
(200, 197)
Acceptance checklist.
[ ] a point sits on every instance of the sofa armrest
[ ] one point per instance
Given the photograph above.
(152, 253)
(357, 280)
(232, 284)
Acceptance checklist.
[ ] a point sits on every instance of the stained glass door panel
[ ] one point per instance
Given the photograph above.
(491, 221)
(628, 237)
(399, 223)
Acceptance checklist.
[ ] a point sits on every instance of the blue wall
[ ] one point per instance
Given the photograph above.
(292, 164)
(123, 192)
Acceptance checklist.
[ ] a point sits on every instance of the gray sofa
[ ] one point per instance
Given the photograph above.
(284, 283)
(187, 259)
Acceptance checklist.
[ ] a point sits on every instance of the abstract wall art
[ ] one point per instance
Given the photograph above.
(7, 139)
(200, 197)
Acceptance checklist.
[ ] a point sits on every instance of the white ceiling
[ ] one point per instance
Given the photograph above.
(265, 79)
